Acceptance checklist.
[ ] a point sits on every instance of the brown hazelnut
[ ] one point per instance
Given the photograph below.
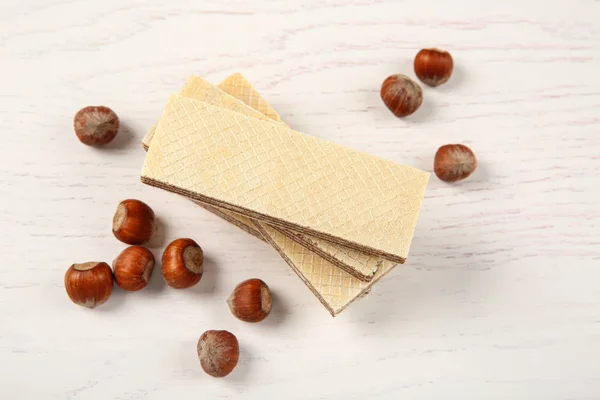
(182, 263)
(133, 222)
(454, 162)
(89, 284)
(96, 126)
(250, 301)
(133, 268)
(219, 352)
(401, 95)
(433, 66)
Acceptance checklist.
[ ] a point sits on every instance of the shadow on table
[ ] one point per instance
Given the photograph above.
(434, 283)
(210, 278)
(159, 240)
(279, 312)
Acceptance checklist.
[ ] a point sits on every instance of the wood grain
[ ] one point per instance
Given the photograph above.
(500, 296)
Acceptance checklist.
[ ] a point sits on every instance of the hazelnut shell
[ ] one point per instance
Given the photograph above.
(89, 284)
(182, 263)
(433, 66)
(453, 162)
(219, 352)
(133, 268)
(401, 95)
(251, 301)
(96, 125)
(133, 222)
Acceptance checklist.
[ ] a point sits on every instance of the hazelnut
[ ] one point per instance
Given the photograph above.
(133, 268)
(133, 222)
(454, 162)
(433, 66)
(250, 301)
(401, 95)
(89, 284)
(219, 352)
(96, 126)
(182, 263)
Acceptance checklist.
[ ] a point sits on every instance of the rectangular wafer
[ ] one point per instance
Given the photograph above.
(360, 265)
(334, 288)
(285, 178)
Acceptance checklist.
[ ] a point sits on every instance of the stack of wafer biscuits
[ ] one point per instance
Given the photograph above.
(340, 218)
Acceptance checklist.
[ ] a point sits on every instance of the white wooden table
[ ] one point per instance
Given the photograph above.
(500, 298)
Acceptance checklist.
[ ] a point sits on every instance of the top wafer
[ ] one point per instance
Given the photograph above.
(362, 266)
(269, 172)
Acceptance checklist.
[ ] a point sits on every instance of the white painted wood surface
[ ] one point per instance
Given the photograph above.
(500, 297)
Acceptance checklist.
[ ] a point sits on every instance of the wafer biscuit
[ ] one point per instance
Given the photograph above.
(285, 178)
(360, 265)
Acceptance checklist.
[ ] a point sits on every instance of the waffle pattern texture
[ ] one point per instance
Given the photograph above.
(223, 118)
